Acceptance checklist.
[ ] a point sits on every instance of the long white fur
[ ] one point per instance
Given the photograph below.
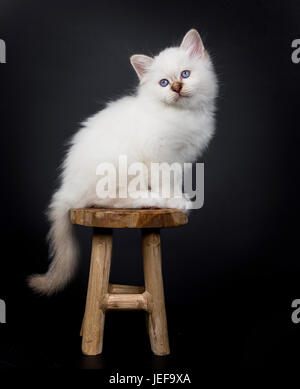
(153, 125)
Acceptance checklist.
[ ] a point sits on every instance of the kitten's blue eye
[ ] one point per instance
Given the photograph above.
(163, 82)
(185, 74)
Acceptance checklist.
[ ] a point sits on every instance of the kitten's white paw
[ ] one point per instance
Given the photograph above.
(180, 203)
(149, 203)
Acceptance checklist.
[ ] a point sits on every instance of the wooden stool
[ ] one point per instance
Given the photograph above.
(103, 296)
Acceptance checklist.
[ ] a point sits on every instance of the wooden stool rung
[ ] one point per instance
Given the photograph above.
(130, 301)
(124, 289)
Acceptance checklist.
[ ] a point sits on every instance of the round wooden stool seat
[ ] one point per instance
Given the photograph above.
(128, 218)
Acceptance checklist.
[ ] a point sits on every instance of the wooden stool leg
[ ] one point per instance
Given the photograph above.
(93, 322)
(157, 319)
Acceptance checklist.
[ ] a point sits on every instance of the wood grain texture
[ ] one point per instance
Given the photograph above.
(128, 218)
(124, 289)
(129, 301)
(93, 321)
(157, 318)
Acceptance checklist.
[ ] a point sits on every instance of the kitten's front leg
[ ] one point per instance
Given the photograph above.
(182, 203)
(148, 199)
(169, 191)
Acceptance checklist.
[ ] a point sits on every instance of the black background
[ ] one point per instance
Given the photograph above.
(232, 273)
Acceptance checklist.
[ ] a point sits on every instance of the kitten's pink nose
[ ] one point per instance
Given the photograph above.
(176, 86)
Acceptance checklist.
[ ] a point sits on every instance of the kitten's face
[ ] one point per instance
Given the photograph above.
(181, 76)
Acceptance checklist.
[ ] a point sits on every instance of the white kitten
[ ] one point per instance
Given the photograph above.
(169, 119)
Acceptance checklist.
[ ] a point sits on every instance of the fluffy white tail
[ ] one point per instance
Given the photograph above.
(63, 249)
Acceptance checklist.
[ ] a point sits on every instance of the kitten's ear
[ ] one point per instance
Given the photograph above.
(193, 43)
(141, 64)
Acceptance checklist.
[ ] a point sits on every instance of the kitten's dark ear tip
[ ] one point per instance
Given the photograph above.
(141, 63)
(193, 31)
(192, 42)
(138, 58)
(131, 59)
